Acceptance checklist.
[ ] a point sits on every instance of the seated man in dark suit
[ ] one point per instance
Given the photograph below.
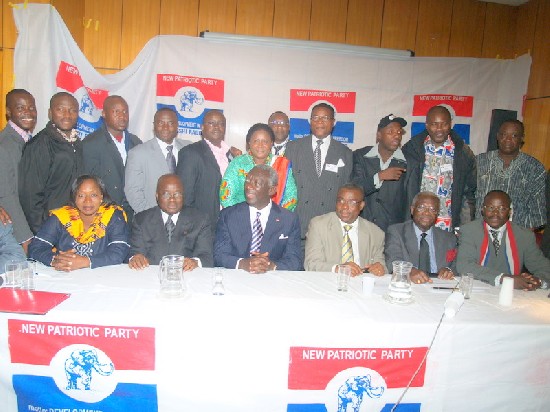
(428, 248)
(170, 229)
(494, 247)
(258, 235)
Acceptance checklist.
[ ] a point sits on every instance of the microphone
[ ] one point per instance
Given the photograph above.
(453, 304)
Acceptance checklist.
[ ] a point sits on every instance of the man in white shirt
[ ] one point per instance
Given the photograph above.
(258, 235)
(149, 161)
(279, 123)
(342, 238)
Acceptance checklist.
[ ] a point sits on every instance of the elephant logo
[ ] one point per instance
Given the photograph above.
(351, 393)
(87, 106)
(79, 367)
(190, 102)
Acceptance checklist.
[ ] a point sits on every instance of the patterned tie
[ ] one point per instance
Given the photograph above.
(170, 226)
(347, 249)
(496, 243)
(317, 157)
(278, 149)
(424, 255)
(170, 159)
(257, 234)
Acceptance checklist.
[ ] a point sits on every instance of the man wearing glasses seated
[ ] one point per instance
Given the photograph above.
(419, 241)
(342, 238)
(494, 247)
(170, 229)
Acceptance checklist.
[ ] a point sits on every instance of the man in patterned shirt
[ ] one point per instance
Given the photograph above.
(439, 161)
(516, 173)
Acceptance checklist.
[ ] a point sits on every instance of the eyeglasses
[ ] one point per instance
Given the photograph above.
(323, 119)
(350, 202)
(168, 196)
(214, 124)
(424, 208)
(161, 123)
(499, 209)
(278, 123)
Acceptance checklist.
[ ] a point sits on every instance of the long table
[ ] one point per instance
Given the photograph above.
(281, 341)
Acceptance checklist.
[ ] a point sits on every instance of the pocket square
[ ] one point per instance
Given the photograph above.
(283, 236)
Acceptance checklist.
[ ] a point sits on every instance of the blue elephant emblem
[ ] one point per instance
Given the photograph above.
(351, 393)
(87, 106)
(79, 368)
(189, 99)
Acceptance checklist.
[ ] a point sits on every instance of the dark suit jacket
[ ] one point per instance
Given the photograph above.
(192, 236)
(281, 237)
(402, 244)
(11, 147)
(101, 158)
(384, 206)
(201, 177)
(317, 194)
(530, 256)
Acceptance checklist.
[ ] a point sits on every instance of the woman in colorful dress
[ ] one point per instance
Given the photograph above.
(90, 232)
(259, 141)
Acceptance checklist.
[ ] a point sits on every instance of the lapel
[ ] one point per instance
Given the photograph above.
(272, 228)
(333, 154)
(363, 235)
(440, 247)
(156, 155)
(335, 237)
(411, 242)
(157, 226)
(240, 228)
(113, 153)
(307, 154)
(210, 159)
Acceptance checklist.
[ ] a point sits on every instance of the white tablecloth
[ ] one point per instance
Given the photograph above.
(253, 349)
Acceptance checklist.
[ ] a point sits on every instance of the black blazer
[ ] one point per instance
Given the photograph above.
(192, 236)
(101, 158)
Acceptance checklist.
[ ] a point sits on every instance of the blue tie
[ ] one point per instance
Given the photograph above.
(257, 234)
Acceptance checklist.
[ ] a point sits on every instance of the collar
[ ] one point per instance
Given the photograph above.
(267, 209)
(164, 145)
(373, 152)
(165, 216)
(500, 230)
(26, 136)
(418, 232)
(224, 147)
(283, 144)
(353, 225)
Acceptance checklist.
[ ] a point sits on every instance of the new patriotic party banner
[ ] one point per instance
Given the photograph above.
(354, 379)
(79, 367)
(248, 82)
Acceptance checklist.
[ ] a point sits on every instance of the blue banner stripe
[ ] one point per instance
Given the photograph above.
(41, 391)
(319, 407)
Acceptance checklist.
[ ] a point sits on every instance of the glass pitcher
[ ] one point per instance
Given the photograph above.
(171, 276)
(400, 291)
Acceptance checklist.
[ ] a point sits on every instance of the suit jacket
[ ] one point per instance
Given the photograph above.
(192, 236)
(402, 244)
(324, 243)
(11, 147)
(388, 204)
(530, 256)
(145, 164)
(281, 237)
(201, 177)
(102, 158)
(317, 194)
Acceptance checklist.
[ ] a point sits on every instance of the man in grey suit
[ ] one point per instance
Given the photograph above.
(202, 164)
(327, 244)
(105, 150)
(149, 161)
(404, 241)
(187, 234)
(21, 114)
(494, 247)
(320, 165)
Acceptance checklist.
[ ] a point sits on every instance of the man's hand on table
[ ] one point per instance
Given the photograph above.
(138, 262)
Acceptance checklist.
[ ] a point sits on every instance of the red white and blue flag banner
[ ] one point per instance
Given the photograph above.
(249, 82)
(354, 379)
(78, 367)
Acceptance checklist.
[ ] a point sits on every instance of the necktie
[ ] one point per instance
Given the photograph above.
(496, 243)
(170, 226)
(278, 149)
(118, 137)
(347, 249)
(424, 255)
(257, 234)
(317, 157)
(170, 159)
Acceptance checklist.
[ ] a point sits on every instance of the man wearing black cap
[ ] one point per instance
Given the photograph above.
(380, 171)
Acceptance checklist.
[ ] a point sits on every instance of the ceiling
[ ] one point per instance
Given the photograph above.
(509, 2)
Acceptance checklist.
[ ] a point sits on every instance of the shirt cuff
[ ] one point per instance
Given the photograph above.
(199, 261)
(377, 181)
(497, 280)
